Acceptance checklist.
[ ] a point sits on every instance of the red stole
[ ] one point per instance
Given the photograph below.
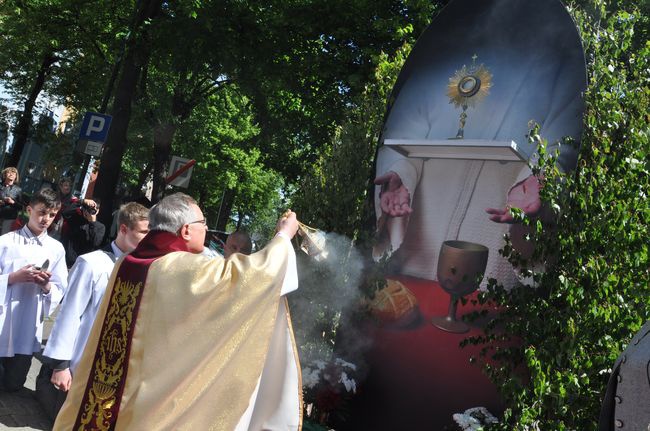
(100, 404)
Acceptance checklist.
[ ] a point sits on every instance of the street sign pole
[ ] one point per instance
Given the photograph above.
(82, 183)
(87, 170)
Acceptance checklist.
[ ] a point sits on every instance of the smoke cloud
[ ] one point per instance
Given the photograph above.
(323, 307)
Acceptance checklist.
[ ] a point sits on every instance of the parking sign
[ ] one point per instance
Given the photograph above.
(95, 127)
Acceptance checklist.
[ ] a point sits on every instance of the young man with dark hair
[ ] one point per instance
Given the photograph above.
(33, 278)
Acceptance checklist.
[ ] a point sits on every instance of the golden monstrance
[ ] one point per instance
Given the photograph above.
(467, 88)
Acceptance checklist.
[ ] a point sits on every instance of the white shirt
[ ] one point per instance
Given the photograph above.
(23, 306)
(86, 286)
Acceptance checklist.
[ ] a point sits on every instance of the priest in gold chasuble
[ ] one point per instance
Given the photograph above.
(186, 342)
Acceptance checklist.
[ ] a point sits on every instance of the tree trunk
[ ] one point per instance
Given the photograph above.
(21, 131)
(115, 145)
(102, 109)
(163, 134)
(224, 210)
(136, 56)
(135, 191)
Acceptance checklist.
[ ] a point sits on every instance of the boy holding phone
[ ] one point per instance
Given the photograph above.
(33, 278)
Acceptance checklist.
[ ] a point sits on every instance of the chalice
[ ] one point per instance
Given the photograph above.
(461, 266)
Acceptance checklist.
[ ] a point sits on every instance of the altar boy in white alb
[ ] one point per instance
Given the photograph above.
(33, 278)
(86, 287)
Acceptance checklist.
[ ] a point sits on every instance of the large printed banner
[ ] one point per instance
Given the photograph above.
(454, 158)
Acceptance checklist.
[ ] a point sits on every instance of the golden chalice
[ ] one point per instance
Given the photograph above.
(461, 266)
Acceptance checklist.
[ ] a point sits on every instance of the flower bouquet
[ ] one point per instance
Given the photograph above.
(327, 387)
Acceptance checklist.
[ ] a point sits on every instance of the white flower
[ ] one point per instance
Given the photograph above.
(350, 384)
(345, 364)
(466, 422)
(310, 378)
(315, 374)
(473, 419)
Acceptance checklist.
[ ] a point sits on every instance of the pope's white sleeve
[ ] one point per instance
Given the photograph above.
(60, 345)
(409, 170)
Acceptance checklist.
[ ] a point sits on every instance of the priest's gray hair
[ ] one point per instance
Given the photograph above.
(172, 212)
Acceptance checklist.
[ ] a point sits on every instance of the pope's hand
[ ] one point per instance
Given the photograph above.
(62, 379)
(523, 195)
(395, 199)
(288, 224)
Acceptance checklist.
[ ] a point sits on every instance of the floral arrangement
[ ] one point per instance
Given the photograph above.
(474, 419)
(327, 388)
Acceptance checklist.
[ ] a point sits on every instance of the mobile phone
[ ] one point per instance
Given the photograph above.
(43, 267)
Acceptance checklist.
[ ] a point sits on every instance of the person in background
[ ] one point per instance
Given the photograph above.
(10, 195)
(67, 199)
(82, 232)
(142, 200)
(33, 279)
(238, 242)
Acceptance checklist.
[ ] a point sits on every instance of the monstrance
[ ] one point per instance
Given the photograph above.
(467, 88)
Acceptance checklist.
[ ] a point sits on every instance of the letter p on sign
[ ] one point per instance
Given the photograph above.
(95, 127)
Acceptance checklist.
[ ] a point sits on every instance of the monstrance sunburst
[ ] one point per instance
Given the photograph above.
(467, 88)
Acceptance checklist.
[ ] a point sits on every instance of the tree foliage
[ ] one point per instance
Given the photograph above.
(307, 62)
(219, 136)
(57, 47)
(297, 62)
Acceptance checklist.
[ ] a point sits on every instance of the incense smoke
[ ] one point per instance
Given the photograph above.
(322, 307)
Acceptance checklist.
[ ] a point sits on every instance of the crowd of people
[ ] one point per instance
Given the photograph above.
(58, 260)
